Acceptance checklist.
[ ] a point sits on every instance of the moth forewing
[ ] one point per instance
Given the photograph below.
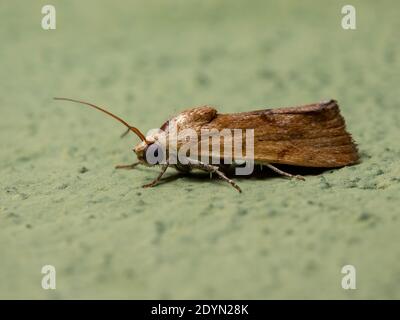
(228, 147)
(312, 135)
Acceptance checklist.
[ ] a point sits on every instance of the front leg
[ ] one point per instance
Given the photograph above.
(127, 166)
(196, 164)
(125, 133)
(164, 168)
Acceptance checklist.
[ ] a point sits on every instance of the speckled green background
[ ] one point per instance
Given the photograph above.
(193, 237)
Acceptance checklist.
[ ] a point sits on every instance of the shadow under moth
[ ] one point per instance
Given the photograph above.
(312, 135)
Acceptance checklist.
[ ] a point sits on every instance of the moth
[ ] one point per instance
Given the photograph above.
(312, 135)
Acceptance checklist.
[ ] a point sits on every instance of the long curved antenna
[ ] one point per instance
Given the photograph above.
(133, 129)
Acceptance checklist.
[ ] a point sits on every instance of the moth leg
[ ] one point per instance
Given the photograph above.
(156, 180)
(127, 166)
(231, 182)
(213, 169)
(125, 133)
(283, 173)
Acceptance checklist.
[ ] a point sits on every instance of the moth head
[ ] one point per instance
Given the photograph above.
(150, 152)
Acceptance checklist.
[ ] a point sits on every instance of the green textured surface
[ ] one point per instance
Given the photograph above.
(193, 237)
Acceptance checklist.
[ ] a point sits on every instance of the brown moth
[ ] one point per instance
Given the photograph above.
(312, 135)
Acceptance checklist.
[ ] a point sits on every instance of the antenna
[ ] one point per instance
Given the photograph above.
(133, 129)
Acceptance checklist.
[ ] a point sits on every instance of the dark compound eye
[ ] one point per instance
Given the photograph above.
(153, 154)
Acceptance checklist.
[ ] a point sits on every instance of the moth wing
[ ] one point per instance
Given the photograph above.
(193, 118)
(187, 124)
(311, 135)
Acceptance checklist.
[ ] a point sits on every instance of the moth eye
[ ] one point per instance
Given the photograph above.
(154, 154)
